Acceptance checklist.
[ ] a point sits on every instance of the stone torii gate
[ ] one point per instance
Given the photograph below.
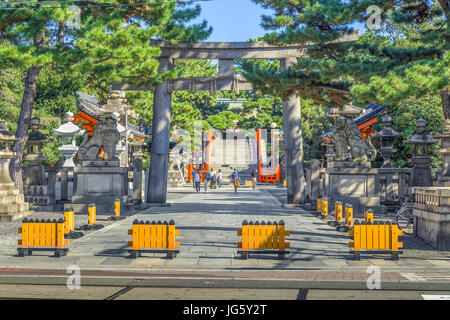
(226, 53)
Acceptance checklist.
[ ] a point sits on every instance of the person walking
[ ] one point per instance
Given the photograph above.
(235, 177)
(254, 174)
(219, 179)
(207, 180)
(197, 181)
(193, 177)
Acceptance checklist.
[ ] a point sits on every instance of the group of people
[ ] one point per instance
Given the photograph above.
(212, 179)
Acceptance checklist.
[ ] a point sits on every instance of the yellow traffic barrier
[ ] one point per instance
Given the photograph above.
(368, 216)
(42, 236)
(375, 238)
(153, 238)
(263, 238)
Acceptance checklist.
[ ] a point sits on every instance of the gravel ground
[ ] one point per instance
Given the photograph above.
(413, 247)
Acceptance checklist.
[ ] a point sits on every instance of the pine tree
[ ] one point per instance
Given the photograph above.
(111, 45)
(334, 70)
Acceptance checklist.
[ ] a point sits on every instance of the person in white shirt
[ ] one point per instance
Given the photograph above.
(197, 180)
(219, 178)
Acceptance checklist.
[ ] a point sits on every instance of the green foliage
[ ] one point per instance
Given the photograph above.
(224, 120)
(407, 57)
(404, 118)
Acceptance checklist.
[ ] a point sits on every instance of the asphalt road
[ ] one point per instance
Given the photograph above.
(14, 291)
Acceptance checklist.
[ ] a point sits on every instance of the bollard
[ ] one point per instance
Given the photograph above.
(262, 237)
(92, 214)
(338, 217)
(92, 219)
(349, 215)
(368, 215)
(319, 205)
(69, 221)
(347, 222)
(324, 208)
(117, 208)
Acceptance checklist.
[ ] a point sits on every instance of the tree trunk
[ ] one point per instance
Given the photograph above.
(29, 96)
(445, 95)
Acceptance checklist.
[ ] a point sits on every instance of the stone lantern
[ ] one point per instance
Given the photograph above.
(387, 136)
(13, 206)
(137, 171)
(35, 170)
(38, 188)
(444, 179)
(68, 131)
(330, 152)
(120, 148)
(421, 142)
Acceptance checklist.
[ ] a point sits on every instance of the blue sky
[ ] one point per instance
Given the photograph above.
(233, 20)
(236, 20)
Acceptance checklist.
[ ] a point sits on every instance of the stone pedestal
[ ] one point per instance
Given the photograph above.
(12, 205)
(432, 216)
(99, 182)
(354, 183)
(175, 179)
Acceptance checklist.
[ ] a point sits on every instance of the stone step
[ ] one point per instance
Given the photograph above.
(11, 198)
(9, 208)
(8, 190)
(15, 216)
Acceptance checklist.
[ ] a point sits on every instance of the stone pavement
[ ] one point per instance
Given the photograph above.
(208, 223)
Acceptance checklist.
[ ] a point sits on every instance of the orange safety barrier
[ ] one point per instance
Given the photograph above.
(42, 236)
(159, 236)
(375, 238)
(260, 238)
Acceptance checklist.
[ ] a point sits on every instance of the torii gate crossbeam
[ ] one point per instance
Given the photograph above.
(225, 53)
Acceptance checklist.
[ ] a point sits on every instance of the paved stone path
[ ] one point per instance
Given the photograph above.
(208, 223)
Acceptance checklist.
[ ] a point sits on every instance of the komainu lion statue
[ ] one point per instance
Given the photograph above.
(105, 135)
(350, 145)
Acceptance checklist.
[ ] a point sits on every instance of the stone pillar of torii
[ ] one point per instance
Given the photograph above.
(226, 53)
